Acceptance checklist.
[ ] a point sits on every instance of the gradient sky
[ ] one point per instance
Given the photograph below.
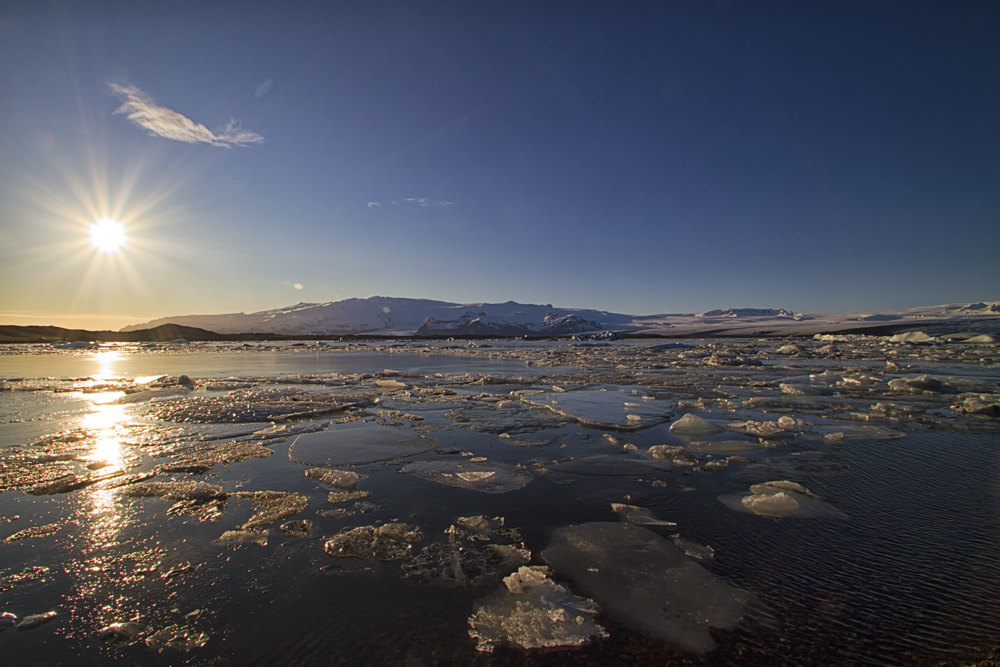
(647, 157)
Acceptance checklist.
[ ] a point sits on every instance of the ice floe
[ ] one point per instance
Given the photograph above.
(357, 443)
(779, 499)
(693, 426)
(485, 477)
(646, 582)
(533, 612)
(388, 542)
(609, 407)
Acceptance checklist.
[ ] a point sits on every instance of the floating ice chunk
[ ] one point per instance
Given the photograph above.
(169, 490)
(678, 455)
(38, 620)
(985, 405)
(526, 577)
(639, 516)
(388, 542)
(921, 385)
(298, 528)
(485, 477)
(338, 479)
(175, 636)
(119, 633)
(604, 408)
(357, 443)
(258, 538)
(789, 349)
(34, 531)
(456, 561)
(914, 337)
(982, 338)
(780, 499)
(533, 612)
(646, 582)
(7, 620)
(344, 496)
(771, 488)
(272, 506)
(771, 504)
(693, 426)
(693, 549)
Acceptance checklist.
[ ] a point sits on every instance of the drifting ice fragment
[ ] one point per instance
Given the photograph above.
(119, 633)
(693, 426)
(646, 581)
(338, 479)
(174, 636)
(38, 620)
(7, 620)
(781, 499)
(388, 542)
(693, 549)
(772, 504)
(639, 516)
(533, 612)
(678, 455)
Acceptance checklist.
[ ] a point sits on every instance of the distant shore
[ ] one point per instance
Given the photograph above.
(18, 334)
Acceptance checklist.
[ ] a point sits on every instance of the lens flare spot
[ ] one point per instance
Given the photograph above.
(107, 235)
(297, 285)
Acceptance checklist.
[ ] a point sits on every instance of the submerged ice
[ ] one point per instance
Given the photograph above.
(646, 582)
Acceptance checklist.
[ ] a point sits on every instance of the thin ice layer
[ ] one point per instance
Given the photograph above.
(604, 408)
(646, 582)
(357, 443)
(486, 477)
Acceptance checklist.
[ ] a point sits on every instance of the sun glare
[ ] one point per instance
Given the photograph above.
(107, 235)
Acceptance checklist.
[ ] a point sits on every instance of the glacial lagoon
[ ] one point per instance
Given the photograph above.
(712, 502)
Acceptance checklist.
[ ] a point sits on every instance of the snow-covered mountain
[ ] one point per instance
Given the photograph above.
(387, 315)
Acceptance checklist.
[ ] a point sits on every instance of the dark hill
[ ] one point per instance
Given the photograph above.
(163, 333)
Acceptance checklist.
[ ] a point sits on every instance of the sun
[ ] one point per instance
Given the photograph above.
(107, 235)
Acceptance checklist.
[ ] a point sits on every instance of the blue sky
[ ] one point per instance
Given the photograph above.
(640, 158)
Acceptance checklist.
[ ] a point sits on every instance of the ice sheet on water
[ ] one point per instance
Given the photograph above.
(468, 560)
(357, 443)
(986, 405)
(533, 611)
(723, 446)
(257, 405)
(610, 465)
(504, 417)
(646, 582)
(610, 407)
(490, 477)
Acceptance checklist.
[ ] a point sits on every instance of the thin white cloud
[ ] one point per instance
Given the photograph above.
(423, 201)
(414, 201)
(167, 123)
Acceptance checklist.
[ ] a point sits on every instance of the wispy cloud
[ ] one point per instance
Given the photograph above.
(423, 201)
(374, 204)
(159, 121)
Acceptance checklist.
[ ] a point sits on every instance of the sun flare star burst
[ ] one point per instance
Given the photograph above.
(107, 235)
